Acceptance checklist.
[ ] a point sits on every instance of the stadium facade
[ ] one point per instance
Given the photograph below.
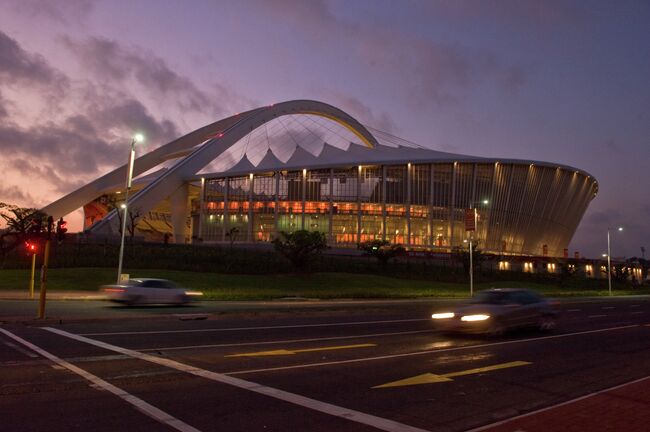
(240, 180)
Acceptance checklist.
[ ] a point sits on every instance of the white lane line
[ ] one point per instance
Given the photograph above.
(186, 347)
(637, 313)
(316, 405)
(99, 383)
(635, 305)
(574, 310)
(20, 350)
(608, 307)
(418, 353)
(502, 422)
(254, 328)
(596, 316)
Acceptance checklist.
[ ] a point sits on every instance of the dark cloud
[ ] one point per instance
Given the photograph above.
(109, 61)
(63, 12)
(4, 103)
(364, 114)
(83, 144)
(11, 194)
(434, 73)
(17, 66)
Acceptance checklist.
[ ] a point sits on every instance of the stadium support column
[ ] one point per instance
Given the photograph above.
(250, 226)
(408, 203)
(359, 204)
(277, 202)
(180, 213)
(330, 229)
(383, 202)
(201, 209)
(452, 205)
(226, 213)
(431, 234)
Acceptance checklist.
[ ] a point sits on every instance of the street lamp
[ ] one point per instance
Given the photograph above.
(609, 260)
(473, 214)
(137, 138)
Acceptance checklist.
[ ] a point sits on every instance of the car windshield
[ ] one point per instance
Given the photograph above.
(493, 297)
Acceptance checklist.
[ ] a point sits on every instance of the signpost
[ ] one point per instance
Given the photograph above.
(470, 226)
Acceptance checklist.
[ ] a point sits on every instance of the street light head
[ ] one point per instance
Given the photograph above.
(620, 228)
(123, 206)
(604, 255)
(486, 202)
(138, 138)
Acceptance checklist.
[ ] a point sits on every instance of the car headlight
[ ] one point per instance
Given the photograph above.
(443, 315)
(193, 293)
(479, 317)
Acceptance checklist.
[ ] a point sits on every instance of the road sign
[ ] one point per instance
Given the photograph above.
(470, 219)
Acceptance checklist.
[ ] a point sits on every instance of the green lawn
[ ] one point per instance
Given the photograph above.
(265, 287)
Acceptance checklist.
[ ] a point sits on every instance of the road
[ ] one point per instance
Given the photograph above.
(360, 369)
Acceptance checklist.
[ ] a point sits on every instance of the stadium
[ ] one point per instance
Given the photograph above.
(308, 165)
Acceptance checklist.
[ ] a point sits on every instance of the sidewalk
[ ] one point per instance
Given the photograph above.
(621, 408)
(52, 295)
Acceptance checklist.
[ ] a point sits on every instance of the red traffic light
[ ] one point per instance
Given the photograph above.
(31, 247)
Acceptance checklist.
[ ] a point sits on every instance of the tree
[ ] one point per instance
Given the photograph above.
(382, 250)
(300, 247)
(18, 222)
(462, 255)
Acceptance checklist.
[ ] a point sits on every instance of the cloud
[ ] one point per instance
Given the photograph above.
(112, 62)
(363, 113)
(433, 72)
(18, 67)
(14, 195)
(64, 12)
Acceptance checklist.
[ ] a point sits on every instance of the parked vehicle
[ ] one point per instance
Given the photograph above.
(149, 291)
(497, 311)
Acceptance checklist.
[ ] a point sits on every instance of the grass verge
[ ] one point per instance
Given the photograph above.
(268, 287)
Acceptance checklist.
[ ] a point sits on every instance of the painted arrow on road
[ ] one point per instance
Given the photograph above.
(281, 352)
(429, 378)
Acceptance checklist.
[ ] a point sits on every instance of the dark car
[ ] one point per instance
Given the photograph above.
(496, 311)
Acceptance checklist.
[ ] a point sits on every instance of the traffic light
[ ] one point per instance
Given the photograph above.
(31, 247)
(36, 227)
(50, 226)
(61, 229)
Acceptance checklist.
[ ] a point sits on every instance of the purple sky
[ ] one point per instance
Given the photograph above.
(566, 82)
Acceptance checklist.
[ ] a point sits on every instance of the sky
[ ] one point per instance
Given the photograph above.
(559, 81)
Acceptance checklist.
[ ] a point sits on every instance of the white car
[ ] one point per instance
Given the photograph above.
(149, 291)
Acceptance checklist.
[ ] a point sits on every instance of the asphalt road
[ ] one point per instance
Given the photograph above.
(356, 369)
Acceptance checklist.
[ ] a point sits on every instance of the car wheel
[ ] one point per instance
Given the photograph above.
(497, 329)
(182, 299)
(133, 300)
(547, 323)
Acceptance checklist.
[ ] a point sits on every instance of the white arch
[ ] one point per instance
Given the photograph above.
(220, 136)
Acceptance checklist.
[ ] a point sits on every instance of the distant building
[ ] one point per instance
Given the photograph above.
(308, 165)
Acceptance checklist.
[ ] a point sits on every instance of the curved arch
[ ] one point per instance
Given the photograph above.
(170, 183)
(232, 126)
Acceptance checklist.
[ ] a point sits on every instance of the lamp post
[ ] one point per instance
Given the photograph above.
(129, 176)
(474, 215)
(609, 260)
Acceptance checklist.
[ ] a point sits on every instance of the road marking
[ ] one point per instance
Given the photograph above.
(418, 353)
(429, 378)
(255, 328)
(316, 405)
(608, 307)
(502, 422)
(185, 347)
(574, 310)
(100, 384)
(635, 305)
(637, 313)
(596, 316)
(20, 350)
(303, 350)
